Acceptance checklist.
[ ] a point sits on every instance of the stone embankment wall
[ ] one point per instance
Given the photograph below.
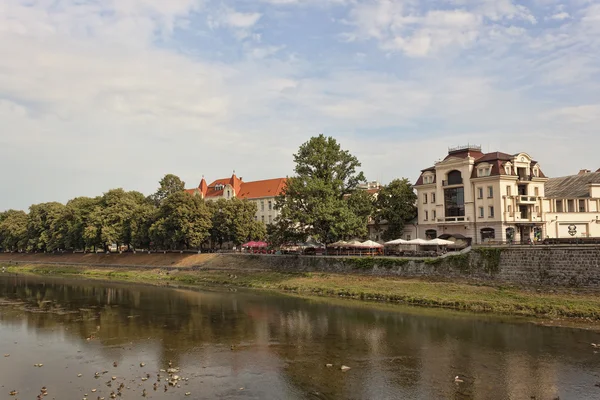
(568, 266)
(560, 266)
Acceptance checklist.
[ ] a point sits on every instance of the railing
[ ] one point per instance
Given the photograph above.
(458, 182)
(527, 199)
(453, 219)
(524, 178)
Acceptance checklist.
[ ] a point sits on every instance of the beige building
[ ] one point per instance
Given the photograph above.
(572, 206)
(494, 196)
(263, 193)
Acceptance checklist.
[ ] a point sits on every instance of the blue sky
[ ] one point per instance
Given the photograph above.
(101, 94)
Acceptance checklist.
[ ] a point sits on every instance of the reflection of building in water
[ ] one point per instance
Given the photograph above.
(529, 376)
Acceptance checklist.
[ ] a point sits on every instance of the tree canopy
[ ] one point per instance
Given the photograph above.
(323, 200)
(395, 206)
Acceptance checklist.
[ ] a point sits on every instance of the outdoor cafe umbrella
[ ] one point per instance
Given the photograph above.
(396, 242)
(369, 244)
(418, 242)
(440, 242)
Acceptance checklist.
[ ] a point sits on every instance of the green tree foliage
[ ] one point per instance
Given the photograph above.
(233, 221)
(76, 218)
(140, 224)
(320, 200)
(182, 222)
(45, 230)
(111, 219)
(13, 230)
(396, 205)
(168, 185)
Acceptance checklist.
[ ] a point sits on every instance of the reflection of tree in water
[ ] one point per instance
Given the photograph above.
(390, 353)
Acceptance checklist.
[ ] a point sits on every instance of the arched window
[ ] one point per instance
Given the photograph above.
(454, 178)
(430, 234)
(487, 234)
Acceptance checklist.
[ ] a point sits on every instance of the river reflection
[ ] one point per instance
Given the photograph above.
(264, 346)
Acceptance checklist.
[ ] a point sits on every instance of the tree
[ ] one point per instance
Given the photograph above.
(140, 224)
(183, 221)
(316, 202)
(76, 218)
(44, 229)
(110, 221)
(234, 221)
(396, 205)
(13, 230)
(168, 185)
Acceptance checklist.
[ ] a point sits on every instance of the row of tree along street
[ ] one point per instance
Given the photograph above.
(322, 201)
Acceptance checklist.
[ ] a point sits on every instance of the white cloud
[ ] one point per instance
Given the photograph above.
(560, 16)
(236, 19)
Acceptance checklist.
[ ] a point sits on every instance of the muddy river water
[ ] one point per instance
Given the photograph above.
(76, 339)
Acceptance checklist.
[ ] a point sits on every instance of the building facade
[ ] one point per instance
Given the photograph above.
(263, 193)
(486, 197)
(572, 205)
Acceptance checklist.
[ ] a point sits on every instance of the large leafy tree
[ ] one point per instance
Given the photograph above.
(319, 201)
(111, 219)
(13, 230)
(234, 221)
(140, 224)
(45, 227)
(183, 221)
(76, 218)
(168, 185)
(396, 206)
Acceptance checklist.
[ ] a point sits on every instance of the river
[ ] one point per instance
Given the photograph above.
(92, 338)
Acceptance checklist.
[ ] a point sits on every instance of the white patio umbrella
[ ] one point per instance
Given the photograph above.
(371, 245)
(439, 242)
(419, 242)
(396, 242)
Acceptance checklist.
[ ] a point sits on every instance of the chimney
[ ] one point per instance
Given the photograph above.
(584, 171)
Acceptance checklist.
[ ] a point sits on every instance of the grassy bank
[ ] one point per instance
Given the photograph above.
(459, 296)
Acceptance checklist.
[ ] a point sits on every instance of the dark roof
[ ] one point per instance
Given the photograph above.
(420, 180)
(573, 186)
(496, 155)
(464, 154)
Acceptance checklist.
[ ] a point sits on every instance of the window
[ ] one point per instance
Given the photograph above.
(430, 234)
(262, 205)
(262, 219)
(535, 172)
(433, 215)
(424, 198)
(487, 234)
(485, 171)
(454, 178)
(581, 205)
(507, 169)
(491, 211)
(559, 206)
(490, 192)
(481, 215)
(571, 205)
(433, 197)
(407, 237)
(536, 191)
(426, 216)
(537, 209)
(480, 193)
(454, 202)
(270, 219)
(509, 209)
(509, 191)
(270, 205)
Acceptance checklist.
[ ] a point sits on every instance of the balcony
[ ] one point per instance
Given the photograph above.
(526, 199)
(524, 178)
(451, 220)
(455, 182)
(522, 217)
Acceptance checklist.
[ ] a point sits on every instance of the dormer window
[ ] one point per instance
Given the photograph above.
(536, 171)
(507, 170)
(484, 171)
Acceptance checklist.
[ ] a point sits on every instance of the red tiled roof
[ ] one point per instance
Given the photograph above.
(258, 189)
(243, 190)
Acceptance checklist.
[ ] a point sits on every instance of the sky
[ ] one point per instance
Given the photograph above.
(101, 94)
